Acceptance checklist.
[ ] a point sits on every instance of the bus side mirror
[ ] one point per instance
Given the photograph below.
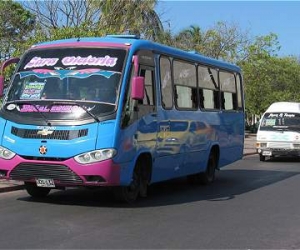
(8, 62)
(4, 65)
(138, 88)
(2, 80)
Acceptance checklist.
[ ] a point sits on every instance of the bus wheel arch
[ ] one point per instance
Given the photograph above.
(141, 178)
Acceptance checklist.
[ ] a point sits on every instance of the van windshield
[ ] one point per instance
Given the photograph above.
(281, 121)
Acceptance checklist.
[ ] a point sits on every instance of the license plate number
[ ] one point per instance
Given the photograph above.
(267, 153)
(45, 183)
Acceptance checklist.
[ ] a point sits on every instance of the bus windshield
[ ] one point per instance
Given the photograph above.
(89, 75)
(281, 121)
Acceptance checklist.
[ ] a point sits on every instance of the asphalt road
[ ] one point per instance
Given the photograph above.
(252, 205)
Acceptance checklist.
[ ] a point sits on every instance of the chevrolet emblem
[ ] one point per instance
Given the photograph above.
(45, 132)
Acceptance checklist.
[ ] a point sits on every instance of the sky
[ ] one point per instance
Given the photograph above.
(258, 18)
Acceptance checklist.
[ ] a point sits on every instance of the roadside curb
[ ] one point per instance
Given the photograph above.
(11, 188)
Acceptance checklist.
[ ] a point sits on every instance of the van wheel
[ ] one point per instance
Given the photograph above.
(36, 192)
(208, 176)
(262, 157)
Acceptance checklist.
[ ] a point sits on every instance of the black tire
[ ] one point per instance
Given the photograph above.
(209, 175)
(36, 192)
(262, 157)
(130, 193)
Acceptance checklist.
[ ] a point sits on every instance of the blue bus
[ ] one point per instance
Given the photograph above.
(118, 112)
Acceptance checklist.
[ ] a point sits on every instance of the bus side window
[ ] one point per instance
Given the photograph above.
(166, 87)
(149, 87)
(228, 90)
(208, 87)
(185, 83)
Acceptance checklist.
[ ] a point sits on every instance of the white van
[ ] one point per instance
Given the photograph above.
(279, 131)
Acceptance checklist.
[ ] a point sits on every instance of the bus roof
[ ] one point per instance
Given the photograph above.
(293, 107)
(132, 41)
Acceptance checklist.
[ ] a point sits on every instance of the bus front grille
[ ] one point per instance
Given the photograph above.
(60, 173)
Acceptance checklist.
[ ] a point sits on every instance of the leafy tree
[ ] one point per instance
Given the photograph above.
(223, 41)
(139, 16)
(53, 14)
(17, 24)
(96, 17)
(190, 39)
(267, 77)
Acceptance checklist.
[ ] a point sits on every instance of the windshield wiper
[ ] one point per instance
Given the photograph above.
(35, 107)
(76, 104)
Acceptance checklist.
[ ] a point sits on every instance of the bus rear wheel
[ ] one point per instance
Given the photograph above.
(209, 175)
(36, 192)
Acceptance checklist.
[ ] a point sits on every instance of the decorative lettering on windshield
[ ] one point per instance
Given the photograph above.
(53, 109)
(33, 90)
(37, 62)
(41, 62)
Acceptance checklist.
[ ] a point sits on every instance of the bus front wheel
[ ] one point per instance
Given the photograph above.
(36, 192)
(130, 193)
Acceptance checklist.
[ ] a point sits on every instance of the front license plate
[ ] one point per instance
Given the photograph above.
(267, 153)
(45, 183)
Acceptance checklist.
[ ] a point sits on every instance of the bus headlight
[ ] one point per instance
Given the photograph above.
(6, 154)
(95, 156)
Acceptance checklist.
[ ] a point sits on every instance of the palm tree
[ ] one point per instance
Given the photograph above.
(190, 38)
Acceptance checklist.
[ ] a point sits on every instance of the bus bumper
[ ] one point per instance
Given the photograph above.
(61, 173)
